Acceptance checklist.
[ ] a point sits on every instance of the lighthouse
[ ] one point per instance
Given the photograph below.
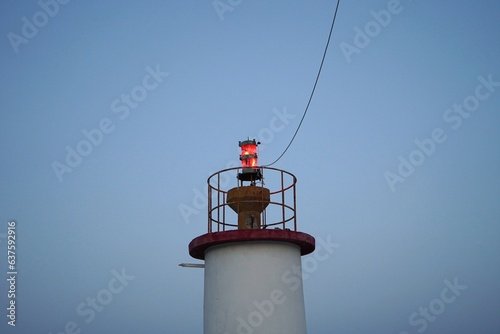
(252, 251)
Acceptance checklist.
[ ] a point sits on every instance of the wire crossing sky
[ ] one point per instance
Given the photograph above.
(314, 87)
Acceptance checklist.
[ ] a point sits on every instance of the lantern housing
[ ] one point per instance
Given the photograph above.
(249, 161)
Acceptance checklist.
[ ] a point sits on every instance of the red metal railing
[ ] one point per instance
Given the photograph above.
(281, 211)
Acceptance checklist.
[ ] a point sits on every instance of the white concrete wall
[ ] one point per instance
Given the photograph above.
(254, 287)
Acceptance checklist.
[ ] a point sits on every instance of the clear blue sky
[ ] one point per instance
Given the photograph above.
(113, 114)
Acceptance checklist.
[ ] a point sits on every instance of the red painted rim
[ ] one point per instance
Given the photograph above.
(199, 245)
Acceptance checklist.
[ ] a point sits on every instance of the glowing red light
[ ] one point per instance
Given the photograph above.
(248, 155)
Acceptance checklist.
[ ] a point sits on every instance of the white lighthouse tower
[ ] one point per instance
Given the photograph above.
(252, 251)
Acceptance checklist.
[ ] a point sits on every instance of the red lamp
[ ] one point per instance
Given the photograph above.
(248, 155)
(249, 160)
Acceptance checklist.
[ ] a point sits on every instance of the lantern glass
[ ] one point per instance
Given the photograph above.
(248, 154)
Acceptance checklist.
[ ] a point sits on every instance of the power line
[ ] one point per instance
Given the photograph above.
(314, 88)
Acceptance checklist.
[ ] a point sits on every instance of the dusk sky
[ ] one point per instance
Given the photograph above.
(114, 113)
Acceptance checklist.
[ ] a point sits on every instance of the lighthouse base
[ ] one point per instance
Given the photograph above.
(254, 287)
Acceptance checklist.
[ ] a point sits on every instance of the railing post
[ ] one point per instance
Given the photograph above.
(209, 206)
(283, 200)
(294, 205)
(218, 199)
